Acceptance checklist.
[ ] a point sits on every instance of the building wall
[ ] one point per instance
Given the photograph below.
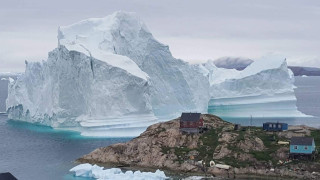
(275, 127)
(191, 124)
(285, 127)
(301, 149)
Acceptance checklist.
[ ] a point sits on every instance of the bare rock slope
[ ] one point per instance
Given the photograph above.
(247, 151)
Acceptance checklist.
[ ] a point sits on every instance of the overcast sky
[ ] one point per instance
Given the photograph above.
(195, 30)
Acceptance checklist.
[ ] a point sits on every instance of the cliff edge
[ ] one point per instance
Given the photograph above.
(248, 151)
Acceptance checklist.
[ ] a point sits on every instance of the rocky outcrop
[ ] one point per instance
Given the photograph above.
(164, 146)
(156, 147)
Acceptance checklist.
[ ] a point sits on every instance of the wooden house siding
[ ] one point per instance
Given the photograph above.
(302, 149)
(269, 126)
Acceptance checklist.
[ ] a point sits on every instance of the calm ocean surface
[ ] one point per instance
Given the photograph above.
(32, 152)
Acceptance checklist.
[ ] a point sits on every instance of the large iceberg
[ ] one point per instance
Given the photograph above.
(97, 172)
(110, 77)
(107, 77)
(264, 89)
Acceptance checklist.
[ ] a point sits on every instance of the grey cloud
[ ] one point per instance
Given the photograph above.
(194, 30)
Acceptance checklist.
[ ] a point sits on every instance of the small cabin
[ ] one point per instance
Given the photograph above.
(237, 127)
(191, 122)
(302, 146)
(275, 126)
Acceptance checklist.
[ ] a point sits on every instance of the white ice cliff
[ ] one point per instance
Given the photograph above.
(264, 89)
(110, 77)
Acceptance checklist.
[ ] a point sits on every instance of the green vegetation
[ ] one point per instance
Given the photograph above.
(181, 153)
(269, 140)
(235, 162)
(261, 155)
(165, 150)
(316, 135)
(209, 142)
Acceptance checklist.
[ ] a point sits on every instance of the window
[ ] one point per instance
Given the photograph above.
(295, 147)
(279, 126)
(306, 147)
(270, 125)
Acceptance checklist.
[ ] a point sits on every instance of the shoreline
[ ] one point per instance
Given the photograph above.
(185, 175)
(248, 153)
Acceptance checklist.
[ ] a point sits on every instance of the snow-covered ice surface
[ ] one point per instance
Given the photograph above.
(110, 77)
(106, 77)
(123, 40)
(72, 89)
(97, 172)
(264, 89)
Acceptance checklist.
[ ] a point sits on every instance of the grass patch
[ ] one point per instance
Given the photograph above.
(271, 145)
(165, 150)
(316, 135)
(235, 162)
(210, 142)
(261, 155)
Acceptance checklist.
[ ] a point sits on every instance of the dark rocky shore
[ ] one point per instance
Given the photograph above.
(250, 151)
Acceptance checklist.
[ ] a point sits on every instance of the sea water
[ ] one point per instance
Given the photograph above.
(34, 152)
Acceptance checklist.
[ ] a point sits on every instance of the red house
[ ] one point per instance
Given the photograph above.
(191, 122)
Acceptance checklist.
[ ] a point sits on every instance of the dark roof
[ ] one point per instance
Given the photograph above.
(301, 141)
(190, 116)
(7, 176)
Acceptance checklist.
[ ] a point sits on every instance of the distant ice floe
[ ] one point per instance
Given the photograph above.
(97, 172)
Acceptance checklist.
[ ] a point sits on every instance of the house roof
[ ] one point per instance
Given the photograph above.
(7, 176)
(301, 141)
(190, 116)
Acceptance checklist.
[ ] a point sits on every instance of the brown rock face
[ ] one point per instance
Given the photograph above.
(251, 143)
(221, 151)
(147, 149)
(164, 146)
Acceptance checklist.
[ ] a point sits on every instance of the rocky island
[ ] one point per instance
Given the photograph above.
(247, 151)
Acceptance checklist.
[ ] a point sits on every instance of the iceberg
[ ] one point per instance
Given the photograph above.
(264, 89)
(124, 34)
(73, 89)
(97, 172)
(110, 77)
